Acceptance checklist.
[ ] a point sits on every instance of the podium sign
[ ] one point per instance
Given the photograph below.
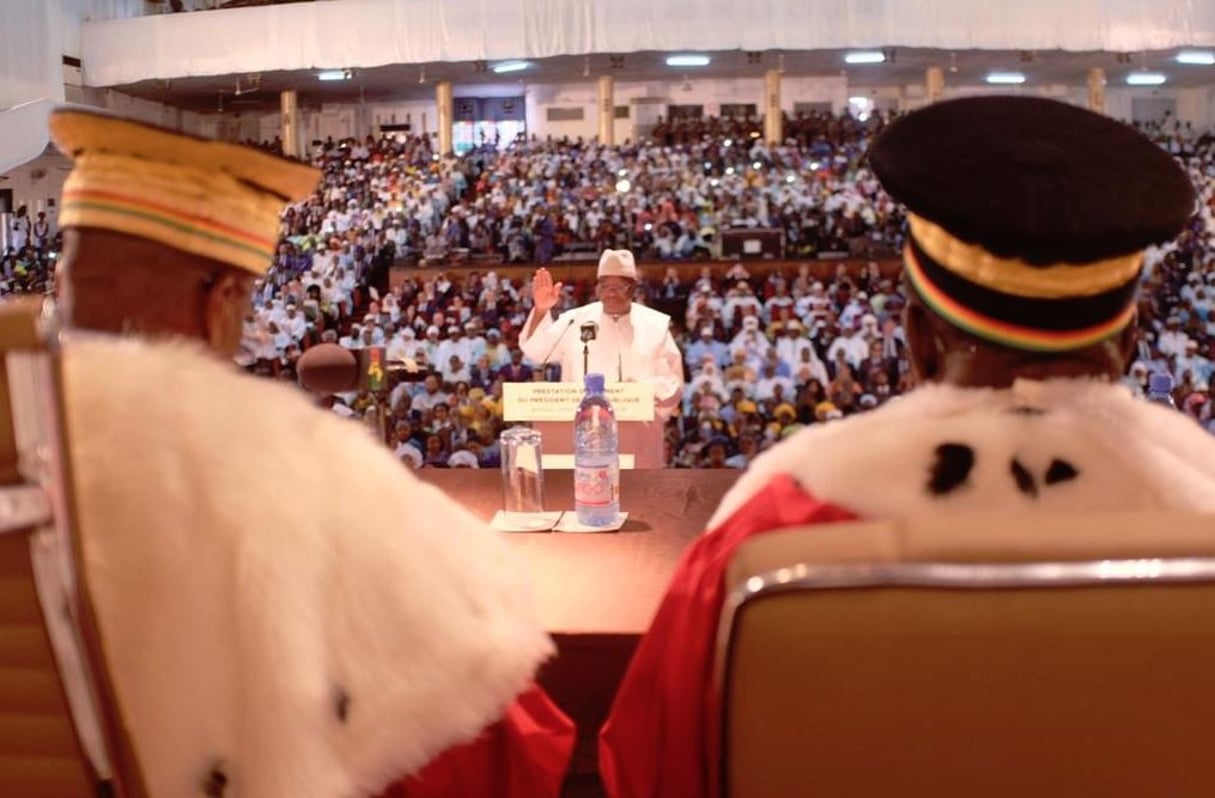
(558, 401)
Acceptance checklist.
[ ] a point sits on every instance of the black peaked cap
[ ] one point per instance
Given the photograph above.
(1034, 179)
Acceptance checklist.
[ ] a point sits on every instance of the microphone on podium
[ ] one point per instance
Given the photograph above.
(327, 369)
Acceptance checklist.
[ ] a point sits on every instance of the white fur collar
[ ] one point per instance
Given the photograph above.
(1127, 454)
(277, 596)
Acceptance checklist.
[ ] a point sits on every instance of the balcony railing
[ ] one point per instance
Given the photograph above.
(126, 9)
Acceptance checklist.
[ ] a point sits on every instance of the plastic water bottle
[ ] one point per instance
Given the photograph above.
(1160, 390)
(596, 458)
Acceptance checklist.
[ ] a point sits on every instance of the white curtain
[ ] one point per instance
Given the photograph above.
(363, 33)
(31, 78)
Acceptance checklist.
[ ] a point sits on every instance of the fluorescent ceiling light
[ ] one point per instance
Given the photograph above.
(511, 66)
(1145, 79)
(865, 57)
(687, 60)
(1005, 78)
(334, 74)
(1198, 57)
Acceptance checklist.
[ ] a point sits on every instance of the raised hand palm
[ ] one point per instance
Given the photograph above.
(545, 292)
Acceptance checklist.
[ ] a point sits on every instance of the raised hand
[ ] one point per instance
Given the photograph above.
(545, 292)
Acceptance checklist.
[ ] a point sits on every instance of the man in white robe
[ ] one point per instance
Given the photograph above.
(631, 343)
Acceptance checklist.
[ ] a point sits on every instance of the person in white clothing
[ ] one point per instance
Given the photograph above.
(632, 343)
(455, 344)
(789, 347)
(1172, 340)
(852, 345)
(495, 350)
(293, 324)
(402, 344)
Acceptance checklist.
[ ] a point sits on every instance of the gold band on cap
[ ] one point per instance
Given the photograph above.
(1016, 277)
(211, 214)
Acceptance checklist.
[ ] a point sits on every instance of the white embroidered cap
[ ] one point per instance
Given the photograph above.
(617, 263)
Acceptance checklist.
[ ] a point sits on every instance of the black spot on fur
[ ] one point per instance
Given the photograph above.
(1060, 471)
(215, 782)
(951, 469)
(341, 703)
(1025, 480)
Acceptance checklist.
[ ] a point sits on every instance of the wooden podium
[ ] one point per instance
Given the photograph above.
(549, 408)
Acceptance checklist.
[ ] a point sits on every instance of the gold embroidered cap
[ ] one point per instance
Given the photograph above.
(210, 198)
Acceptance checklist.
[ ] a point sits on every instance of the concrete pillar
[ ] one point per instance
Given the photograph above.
(362, 119)
(1096, 90)
(443, 99)
(774, 123)
(934, 84)
(290, 126)
(607, 110)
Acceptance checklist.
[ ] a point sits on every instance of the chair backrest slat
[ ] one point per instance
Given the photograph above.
(60, 732)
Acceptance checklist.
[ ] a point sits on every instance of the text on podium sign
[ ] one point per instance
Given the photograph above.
(558, 401)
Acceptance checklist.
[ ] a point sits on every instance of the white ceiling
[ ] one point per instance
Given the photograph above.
(907, 66)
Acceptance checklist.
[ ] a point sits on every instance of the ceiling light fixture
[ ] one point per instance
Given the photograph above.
(335, 74)
(1145, 79)
(1005, 78)
(511, 66)
(1196, 57)
(687, 60)
(865, 57)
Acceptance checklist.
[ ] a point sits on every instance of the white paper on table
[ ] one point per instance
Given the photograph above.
(524, 522)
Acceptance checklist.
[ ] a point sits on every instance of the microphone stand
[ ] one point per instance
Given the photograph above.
(544, 364)
(590, 331)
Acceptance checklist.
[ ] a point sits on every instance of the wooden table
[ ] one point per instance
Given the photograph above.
(597, 593)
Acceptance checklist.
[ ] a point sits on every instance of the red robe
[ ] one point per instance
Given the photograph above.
(656, 742)
(524, 755)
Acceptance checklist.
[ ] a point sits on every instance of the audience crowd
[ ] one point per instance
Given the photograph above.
(765, 352)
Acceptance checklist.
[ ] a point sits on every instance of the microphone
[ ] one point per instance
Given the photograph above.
(328, 369)
(589, 331)
(544, 363)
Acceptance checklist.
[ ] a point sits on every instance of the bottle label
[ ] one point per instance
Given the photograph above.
(597, 486)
